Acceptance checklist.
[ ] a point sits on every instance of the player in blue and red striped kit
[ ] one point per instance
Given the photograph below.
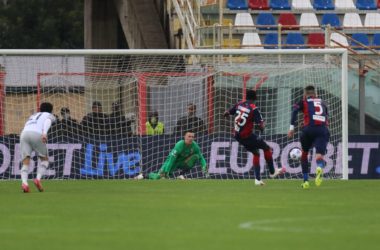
(314, 133)
(247, 115)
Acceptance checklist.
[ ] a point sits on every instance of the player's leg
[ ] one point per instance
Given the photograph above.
(43, 164)
(186, 166)
(26, 151)
(268, 156)
(306, 143)
(250, 145)
(164, 171)
(320, 147)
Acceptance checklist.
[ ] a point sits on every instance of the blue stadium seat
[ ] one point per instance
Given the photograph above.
(366, 5)
(271, 41)
(237, 4)
(376, 41)
(266, 19)
(332, 19)
(360, 37)
(295, 40)
(323, 5)
(280, 4)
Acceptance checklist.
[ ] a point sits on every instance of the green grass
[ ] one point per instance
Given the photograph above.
(191, 214)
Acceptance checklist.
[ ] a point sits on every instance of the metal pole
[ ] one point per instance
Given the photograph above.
(361, 97)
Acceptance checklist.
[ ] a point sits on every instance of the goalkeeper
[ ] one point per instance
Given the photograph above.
(184, 156)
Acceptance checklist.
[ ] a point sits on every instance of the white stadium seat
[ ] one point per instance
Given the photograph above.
(308, 19)
(352, 20)
(338, 38)
(243, 19)
(251, 40)
(302, 5)
(372, 20)
(344, 5)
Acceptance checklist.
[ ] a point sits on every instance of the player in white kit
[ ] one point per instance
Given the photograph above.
(34, 138)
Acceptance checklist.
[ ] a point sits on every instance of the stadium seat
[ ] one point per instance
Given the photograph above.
(342, 40)
(280, 4)
(372, 20)
(243, 19)
(332, 19)
(237, 4)
(366, 4)
(361, 38)
(271, 41)
(376, 41)
(316, 40)
(309, 19)
(302, 5)
(378, 4)
(323, 5)
(352, 20)
(265, 19)
(258, 4)
(294, 41)
(251, 40)
(344, 5)
(288, 21)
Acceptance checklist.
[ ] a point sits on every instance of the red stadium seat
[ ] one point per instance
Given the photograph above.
(258, 4)
(378, 4)
(288, 21)
(316, 40)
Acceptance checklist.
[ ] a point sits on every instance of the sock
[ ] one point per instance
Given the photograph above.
(24, 174)
(269, 159)
(256, 166)
(320, 163)
(41, 169)
(305, 166)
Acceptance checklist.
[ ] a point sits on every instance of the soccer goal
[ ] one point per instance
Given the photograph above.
(120, 112)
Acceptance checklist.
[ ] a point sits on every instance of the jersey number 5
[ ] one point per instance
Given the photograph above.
(318, 108)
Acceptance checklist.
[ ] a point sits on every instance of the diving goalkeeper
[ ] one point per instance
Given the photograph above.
(183, 156)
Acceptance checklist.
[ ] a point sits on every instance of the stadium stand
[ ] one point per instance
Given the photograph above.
(302, 5)
(243, 19)
(294, 41)
(330, 18)
(266, 19)
(344, 5)
(361, 38)
(372, 20)
(342, 40)
(251, 40)
(316, 40)
(280, 4)
(376, 41)
(258, 4)
(237, 4)
(271, 41)
(323, 5)
(352, 20)
(366, 4)
(309, 19)
(378, 4)
(288, 21)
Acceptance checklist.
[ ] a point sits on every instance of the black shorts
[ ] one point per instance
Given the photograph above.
(315, 136)
(253, 143)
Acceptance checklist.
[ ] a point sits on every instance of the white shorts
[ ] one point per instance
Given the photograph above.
(31, 141)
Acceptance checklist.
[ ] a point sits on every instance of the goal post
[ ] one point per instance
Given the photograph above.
(132, 87)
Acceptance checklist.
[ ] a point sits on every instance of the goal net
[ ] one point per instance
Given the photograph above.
(120, 112)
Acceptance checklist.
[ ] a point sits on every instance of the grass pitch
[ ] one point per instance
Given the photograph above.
(191, 214)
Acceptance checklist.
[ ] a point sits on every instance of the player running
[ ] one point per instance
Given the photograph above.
(247, 115)
(34, 138)
(314, 132)
(184, 156)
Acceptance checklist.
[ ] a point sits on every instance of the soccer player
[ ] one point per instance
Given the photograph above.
(314, 132)
(183, 156)
(34, 138)
(247, 115)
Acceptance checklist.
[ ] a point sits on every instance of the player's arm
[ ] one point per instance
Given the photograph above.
(231, 111)
(258, 119)
(47, 124)
(295, 109)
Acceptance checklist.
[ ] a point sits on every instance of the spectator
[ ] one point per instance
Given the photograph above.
(118, 124)
(94, 123)
(190, 122)
(68, 125)
(153, 126)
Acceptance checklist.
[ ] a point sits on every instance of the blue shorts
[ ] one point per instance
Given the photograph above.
(253, 143)
(317, 136)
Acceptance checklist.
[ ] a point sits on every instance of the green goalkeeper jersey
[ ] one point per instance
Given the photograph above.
(181, 152)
